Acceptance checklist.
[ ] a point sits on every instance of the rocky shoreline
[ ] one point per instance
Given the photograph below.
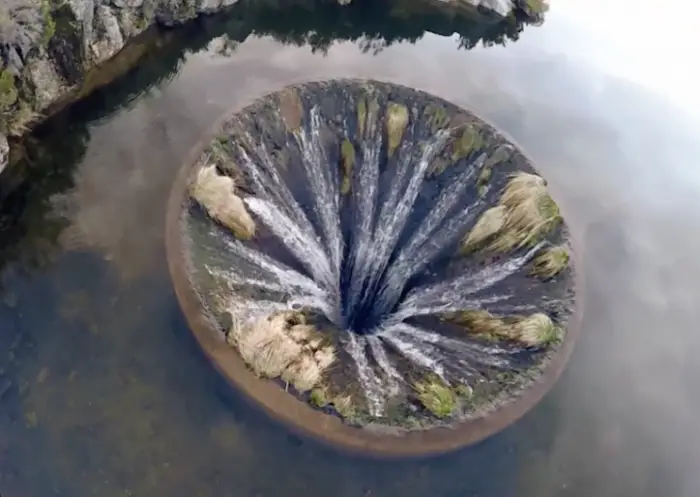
(55, 52)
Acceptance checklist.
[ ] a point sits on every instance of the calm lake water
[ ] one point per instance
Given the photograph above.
(103, 391)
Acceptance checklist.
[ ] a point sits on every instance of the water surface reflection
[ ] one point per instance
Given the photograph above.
(106, 393)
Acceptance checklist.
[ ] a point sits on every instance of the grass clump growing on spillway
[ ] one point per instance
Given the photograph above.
(550, 262)
(284, 346)
(480, 322)
(437, 117)
(536, 330)
(216, 193)
(524, 213)
(501, 154)
(482, 182)
(436, 396)
(464, 391)
(318, 397)
(304, 373)
(347, 153)
(267, 349)
(291, 108)
(361, 116)
(344, 405)
(489, 224)
(469, 140)
(396, 121)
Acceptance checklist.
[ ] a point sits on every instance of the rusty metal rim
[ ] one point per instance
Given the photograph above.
(299, 415)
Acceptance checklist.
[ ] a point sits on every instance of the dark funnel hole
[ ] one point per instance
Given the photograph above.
(368, 311)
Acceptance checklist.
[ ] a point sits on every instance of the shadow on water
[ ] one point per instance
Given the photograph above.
(102, 389)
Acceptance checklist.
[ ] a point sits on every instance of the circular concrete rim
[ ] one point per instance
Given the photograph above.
(299, 415)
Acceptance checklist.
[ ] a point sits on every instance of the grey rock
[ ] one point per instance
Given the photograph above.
(111, 41)
(48, 84)
(21, 29)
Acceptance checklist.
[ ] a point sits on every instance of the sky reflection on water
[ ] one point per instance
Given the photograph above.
(111, 397)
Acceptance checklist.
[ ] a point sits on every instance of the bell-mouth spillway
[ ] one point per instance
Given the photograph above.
(374, 266)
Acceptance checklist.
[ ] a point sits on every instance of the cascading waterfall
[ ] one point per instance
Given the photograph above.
(383, 232)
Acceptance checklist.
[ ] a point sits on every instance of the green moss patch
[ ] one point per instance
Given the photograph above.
(436, 396)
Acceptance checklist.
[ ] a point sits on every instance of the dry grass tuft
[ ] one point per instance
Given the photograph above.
(344, 405)
(524, 213)
(267, 349)
(304, 374)
(482, 323)
(436, 396)
(235, 332)
(216, 194)
(325, 357)
(283, 345)
(550, 262)
(537, 330)
(361, 115)
(523, 191)
(489, 224)
(23, 120)
(301, 333)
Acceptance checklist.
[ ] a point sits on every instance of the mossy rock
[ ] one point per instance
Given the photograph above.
(550, 262)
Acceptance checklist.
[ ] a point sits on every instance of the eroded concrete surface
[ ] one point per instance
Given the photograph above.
(109, 396)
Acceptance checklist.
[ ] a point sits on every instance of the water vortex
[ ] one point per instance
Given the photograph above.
(375, 254)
